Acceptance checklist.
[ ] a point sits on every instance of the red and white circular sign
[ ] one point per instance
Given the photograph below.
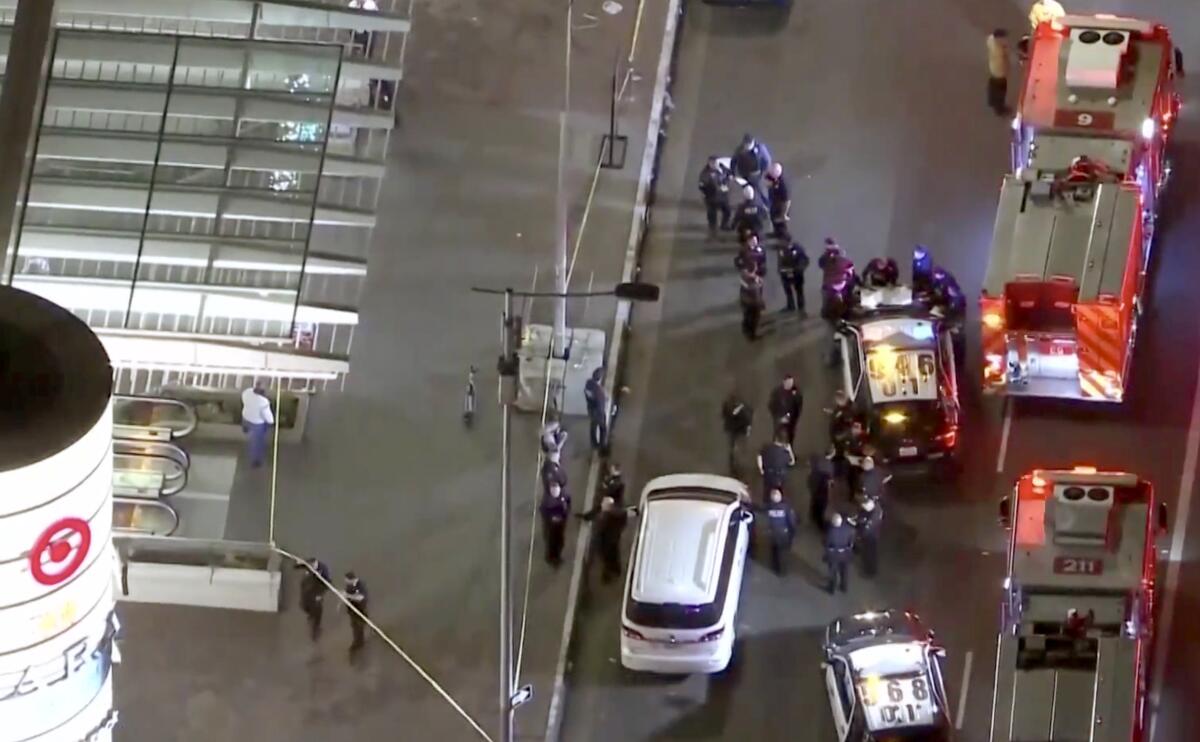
(60, 550)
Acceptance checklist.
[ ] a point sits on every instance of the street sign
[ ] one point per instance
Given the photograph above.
(522, 696)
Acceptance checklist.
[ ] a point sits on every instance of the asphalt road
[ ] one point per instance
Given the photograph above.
(877, 112)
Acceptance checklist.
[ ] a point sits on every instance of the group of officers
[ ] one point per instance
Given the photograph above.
(847, 465)
(766, 203)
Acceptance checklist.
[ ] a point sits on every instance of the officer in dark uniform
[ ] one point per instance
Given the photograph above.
(873, 478)
(610, 521)
(553, 472)
(839, 550)
(867, 523)
(781, 526)
(751, 299)
(612, 484)
(312, 593)
(792, 263)
(774, 461)
(736, 417)
(714, 186)
(841, 415)
(356, 593)
(555, 508)
(820, 485)
(597, 409)
(751, 257)
(946, 299)
(881, 273)
(922, 270)
(785, 405)
(853, 450)
(751, 214)
(780, 199)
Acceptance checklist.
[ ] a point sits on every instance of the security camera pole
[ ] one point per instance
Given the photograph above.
(508, 367)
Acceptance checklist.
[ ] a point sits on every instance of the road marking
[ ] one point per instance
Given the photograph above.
(962, 695)
(1178, 533)
(1008, 415)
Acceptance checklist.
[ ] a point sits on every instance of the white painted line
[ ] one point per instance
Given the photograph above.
(1183, 507)
(1004, 432)
(962, 694)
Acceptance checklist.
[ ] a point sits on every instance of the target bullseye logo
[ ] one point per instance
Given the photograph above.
(60, 550)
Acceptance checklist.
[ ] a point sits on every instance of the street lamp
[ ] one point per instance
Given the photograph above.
(508, 367)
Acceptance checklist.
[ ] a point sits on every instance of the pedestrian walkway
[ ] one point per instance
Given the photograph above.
(388, 482)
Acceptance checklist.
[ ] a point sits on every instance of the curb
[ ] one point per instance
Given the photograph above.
(637, 232)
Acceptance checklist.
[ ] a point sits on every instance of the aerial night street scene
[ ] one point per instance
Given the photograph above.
(590, 370)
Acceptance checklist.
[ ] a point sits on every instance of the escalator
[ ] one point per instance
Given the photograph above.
(150, 419)
(140, 517)
(149, 477)
(151, 448)
(146, 467)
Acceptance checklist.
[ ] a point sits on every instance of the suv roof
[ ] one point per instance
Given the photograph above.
(681, 547)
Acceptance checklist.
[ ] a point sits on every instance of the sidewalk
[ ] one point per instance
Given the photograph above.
(388, 482)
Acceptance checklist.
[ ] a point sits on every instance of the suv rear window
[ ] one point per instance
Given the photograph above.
(679, 616)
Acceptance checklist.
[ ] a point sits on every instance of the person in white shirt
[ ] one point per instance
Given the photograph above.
(256, 421)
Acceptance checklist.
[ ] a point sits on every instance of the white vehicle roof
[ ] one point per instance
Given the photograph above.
(685, 521)
(889, 658)
(907, 331)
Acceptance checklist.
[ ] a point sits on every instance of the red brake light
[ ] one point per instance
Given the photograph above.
(631, 634)
(712, 636)
(949, 438)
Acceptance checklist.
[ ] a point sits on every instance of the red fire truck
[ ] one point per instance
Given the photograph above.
(1066, 275)
(1078, 611)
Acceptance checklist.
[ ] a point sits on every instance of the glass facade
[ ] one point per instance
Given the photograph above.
(175, 180)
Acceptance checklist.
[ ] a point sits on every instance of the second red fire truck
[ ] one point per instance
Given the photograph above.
(1066, 277)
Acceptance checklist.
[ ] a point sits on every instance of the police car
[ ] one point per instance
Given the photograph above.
(884, 677)
(898, 370)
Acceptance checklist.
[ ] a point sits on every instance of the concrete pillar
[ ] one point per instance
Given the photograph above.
(20, 106)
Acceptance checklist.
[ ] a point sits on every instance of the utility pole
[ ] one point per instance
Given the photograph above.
(559, 340)
(508, 367)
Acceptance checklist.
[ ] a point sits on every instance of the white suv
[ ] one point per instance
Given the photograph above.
(685, 575)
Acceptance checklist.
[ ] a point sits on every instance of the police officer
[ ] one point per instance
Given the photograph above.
(922, 270)
(312, 593)
(714, 186)
(736, 416)
(612, 484)
(780, 199)
(597, 409)
(839, 550)
(867, 523)
(854, 450)
(774, 461)
(751, 257)
(553, 472)
(750, 297)
(820, 486)
(881, 273)
(610, 521)
(841, 415)
(785, 405)
(947, 300)
(781, 526)
(751, 159)
(356, 593)
(751, 214)
(793, 261)
(555, 507)
(873, 479)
